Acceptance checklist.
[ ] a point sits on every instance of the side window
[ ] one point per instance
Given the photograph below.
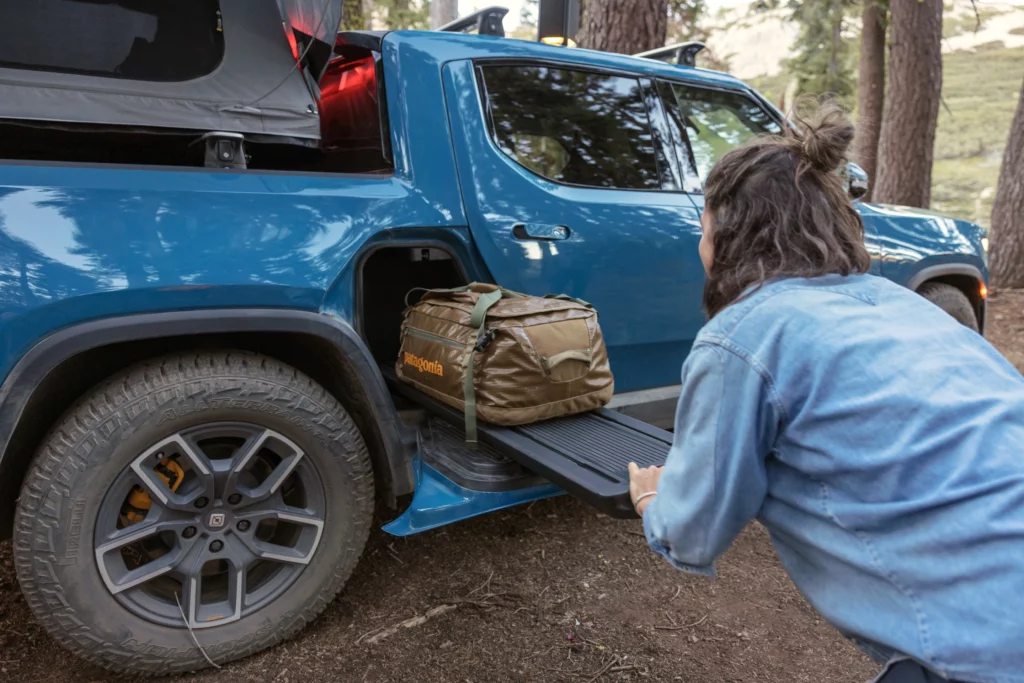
(716, 121)
(573, 127)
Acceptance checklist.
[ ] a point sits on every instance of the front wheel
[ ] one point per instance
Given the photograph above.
(217, 498)
(952, 301)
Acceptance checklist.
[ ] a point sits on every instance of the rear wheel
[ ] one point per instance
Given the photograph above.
(219, 498)
(952, 301)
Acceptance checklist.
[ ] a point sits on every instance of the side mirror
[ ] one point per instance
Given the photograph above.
(856, 181)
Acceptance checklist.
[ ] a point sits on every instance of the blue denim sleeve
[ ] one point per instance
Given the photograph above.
(714, 481)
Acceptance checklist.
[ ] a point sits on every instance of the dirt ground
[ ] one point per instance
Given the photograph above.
(546, 592)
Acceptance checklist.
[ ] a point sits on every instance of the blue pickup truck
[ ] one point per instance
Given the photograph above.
(210, 216)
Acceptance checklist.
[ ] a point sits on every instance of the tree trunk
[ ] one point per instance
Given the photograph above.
(443, 12)
(624, 26)
(1006, 238)
(870, 89)
(912, 109)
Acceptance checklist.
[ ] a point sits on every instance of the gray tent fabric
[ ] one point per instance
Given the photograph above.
(254, 87)
(319, 19)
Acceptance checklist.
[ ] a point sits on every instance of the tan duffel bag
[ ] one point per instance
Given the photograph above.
(505, 357)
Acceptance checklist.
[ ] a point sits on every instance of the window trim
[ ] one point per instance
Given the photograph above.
(485, 110)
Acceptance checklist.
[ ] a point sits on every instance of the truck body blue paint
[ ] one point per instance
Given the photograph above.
(84, 242)
(439, 501)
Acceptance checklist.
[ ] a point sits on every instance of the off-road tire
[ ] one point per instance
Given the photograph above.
(98, 437)
(952, 301)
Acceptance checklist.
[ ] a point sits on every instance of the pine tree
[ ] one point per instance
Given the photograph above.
(823, 63)
(1007, 234)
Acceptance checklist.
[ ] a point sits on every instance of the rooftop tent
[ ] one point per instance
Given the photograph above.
(314, 24)
(203, 65)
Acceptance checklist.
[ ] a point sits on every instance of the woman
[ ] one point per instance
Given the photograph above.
(880, 442)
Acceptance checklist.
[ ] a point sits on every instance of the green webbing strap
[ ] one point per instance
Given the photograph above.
(478, 319)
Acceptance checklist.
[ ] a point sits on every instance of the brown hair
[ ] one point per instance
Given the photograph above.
(780, 209)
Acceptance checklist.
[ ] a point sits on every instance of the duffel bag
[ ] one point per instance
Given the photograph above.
(504, 357)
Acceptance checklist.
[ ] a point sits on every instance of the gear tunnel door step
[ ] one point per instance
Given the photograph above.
(586, 455)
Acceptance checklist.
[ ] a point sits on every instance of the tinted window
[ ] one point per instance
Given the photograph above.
(148, 40)
(574, 127)
(716, 122)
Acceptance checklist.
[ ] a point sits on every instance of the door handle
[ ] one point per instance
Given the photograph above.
(539, 231)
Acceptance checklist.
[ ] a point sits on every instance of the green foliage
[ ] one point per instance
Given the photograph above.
(824, 56)
(823, 62)
(683, 16)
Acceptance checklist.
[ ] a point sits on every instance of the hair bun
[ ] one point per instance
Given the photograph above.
(826, 141)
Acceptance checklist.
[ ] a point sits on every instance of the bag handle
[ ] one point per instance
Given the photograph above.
(453, 290)
(477, 319)
(566, 297)
(477, 287)
(583, 355)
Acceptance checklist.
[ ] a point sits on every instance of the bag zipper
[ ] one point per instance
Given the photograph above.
(434, 337)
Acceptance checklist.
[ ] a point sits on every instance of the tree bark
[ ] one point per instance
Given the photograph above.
(870, 89)
(443, 12)
(624, 26)
(1006, 238)
(915, 83)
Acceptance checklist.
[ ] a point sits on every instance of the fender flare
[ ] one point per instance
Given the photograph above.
(942, 270)
(46, 355)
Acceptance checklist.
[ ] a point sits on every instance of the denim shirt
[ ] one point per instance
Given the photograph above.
(881, 443)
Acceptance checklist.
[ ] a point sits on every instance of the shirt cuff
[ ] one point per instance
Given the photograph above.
(661, 549)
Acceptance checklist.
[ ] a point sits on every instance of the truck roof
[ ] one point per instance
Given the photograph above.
(445, 47)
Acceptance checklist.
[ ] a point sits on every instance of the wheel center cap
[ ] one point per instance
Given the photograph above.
(216, 520)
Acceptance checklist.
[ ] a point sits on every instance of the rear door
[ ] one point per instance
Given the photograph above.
(570, 186)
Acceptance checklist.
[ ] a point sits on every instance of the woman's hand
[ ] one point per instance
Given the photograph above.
(642, 481)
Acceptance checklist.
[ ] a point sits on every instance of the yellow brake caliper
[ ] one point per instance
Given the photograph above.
(139, 502)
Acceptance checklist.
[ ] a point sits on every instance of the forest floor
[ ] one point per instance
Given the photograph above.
(546, 592)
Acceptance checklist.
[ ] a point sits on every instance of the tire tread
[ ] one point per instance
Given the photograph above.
(952, 301)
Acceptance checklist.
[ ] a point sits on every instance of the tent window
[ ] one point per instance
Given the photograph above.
(144, 40)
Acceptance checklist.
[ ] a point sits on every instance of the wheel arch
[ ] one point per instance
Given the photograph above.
(964, 276)
(58, 370)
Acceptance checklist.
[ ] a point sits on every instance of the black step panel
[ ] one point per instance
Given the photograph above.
(444, 447)
(587, 455)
